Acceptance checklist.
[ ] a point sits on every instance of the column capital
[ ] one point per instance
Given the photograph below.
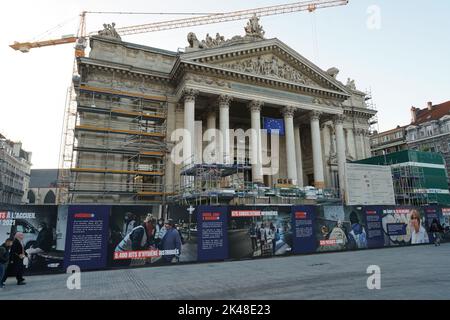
(339, 119)
(315, 115)
(255, 105)
(189, 95)
(224, 100)
(288, 111)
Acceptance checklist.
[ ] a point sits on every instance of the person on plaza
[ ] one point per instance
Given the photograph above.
(252, 233)
(418, 233)
(43, 243)
(171, 241)
(17, 254)
(149, 224)
(436, 229)
(4, 259)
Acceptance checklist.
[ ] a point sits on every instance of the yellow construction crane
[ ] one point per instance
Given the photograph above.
(81, 38)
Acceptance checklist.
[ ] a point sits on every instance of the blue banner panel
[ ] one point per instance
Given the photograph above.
(444, 219)
(273, 124)
(303, 222)
(87, 237)
(374, 226)
(212, 233)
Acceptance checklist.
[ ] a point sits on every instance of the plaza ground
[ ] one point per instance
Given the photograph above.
(419, 272)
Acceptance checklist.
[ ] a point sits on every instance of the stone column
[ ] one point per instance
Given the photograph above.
(363, 144)
(189, 125)
(211, 119)
(288, 114)
(326, 142)
(367, 143)
(224, 110)
(340, 150)
(351, 143)
(255, 140)
(317, 150)
(298, 155)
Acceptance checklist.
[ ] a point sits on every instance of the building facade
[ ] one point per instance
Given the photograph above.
(15, 166)
(430, 130)
(131, 99)
(388, 141)
(43, 186)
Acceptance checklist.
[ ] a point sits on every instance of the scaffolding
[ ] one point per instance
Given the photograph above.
(230, 184)
(114, 146)
(408, 186)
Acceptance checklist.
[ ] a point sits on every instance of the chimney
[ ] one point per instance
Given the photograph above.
(430, 105)
(413, 114)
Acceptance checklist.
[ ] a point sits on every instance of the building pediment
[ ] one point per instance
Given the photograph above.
(269, 59)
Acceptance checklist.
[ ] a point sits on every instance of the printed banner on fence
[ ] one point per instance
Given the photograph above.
(212, 233)
(259, 231)
(87, 237)
(303, 224)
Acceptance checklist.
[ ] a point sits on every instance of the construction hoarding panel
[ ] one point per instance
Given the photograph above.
(340, 228)
(259, 231)
(87, 237)
(212, 233)
(304, 229)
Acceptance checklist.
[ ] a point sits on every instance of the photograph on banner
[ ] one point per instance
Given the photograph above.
(258, 231)
(39, 230)
(139, 236)
(184, 219)
(404, 225)
(340, 228)
(445, 223)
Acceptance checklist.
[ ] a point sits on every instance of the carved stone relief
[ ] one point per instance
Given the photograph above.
(270, 66)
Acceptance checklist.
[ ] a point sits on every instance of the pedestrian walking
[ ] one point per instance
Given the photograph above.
(4, 260)
(436, 229)
(16, 260)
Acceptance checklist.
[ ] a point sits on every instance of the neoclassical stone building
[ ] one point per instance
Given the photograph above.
(131, 98)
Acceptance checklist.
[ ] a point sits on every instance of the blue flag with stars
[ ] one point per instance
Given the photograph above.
(273, 123)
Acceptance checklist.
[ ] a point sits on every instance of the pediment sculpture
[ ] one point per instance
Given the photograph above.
(269, 66)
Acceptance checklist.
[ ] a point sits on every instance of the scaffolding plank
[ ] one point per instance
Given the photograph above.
(120, 112)
(100, 129)
(136, 172)
(122, 93)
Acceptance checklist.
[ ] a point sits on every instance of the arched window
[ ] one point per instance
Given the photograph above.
(31, 197)
(50, 197)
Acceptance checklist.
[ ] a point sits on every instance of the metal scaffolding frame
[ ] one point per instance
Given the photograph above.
(118, 145)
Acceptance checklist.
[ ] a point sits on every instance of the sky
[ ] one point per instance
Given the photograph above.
(400, 50)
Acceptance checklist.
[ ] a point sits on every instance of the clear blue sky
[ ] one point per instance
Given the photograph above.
(406, 62)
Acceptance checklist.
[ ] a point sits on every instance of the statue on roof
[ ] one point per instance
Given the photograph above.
(253, 28)
(351, 84)
(109, 31)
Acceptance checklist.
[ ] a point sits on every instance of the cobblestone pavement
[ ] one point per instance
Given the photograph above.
(419, 272)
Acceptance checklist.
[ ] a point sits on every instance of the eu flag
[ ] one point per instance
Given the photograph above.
(272, 123)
